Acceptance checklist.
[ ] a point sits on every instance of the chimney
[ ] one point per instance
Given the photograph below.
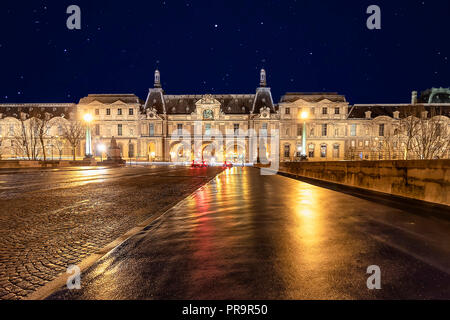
(414, 97)
(368, 114)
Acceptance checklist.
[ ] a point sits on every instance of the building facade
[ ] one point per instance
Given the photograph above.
(241, 128)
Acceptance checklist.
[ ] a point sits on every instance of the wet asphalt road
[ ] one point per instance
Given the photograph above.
(52, 218)
(247, 236)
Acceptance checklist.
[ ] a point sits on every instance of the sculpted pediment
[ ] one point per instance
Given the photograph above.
(207, 99)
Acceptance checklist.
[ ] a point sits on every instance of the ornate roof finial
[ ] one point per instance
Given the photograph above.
(262, 78)
(157, 83)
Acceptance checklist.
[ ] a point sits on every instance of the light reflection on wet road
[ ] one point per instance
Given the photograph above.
(247, 236)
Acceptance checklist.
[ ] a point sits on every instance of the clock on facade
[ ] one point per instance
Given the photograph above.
(208, 114)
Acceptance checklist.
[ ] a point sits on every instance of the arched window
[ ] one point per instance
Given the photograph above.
(323, 150)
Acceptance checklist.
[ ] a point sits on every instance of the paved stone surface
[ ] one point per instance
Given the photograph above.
(50, 219)
(247, 236)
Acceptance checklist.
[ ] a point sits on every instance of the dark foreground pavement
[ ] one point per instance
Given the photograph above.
(247, 236)
(52, 218)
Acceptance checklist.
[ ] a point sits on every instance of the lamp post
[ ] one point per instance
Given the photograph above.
(88, 119)
(304, 116)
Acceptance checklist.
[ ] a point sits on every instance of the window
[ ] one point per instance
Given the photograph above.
(130, 150)
(324, 110)
(131, 111)
(299, 129)
(119, 129)
(119, 112)
(336, 110)
(381, 130)
(287, 111)
(336, 151)
(264, 126)
(180, 129)
(366, 143)
(60, 130)
(236, 128)
(311, 150)
(207, 129)
(323, 151)
(287, 151)
(298, 154)
(97, 129)
(108, 112)
(353, 130)
(97, 112)
(151, 129)
(324, 130)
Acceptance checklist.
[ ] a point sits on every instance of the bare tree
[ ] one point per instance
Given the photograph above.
(59, 143)
(25, 141)
(73, 132)
(426, 133)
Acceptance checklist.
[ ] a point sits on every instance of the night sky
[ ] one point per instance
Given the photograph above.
(219, 46)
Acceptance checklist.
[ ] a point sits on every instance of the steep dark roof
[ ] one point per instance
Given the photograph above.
(229, 103)
(377, 110)
(312, 96)
(155, 100)
(54, 109)
(111, 98)
(263, 99)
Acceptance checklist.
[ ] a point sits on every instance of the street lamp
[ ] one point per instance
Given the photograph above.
(101, 148)
(88, 119)
(304, 116)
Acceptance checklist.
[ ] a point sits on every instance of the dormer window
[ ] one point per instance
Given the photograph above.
(119, 112)
(287, 111)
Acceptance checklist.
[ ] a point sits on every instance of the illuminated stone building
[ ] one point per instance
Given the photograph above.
(233, 127)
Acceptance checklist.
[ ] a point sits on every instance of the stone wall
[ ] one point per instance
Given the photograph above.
(427, 180)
